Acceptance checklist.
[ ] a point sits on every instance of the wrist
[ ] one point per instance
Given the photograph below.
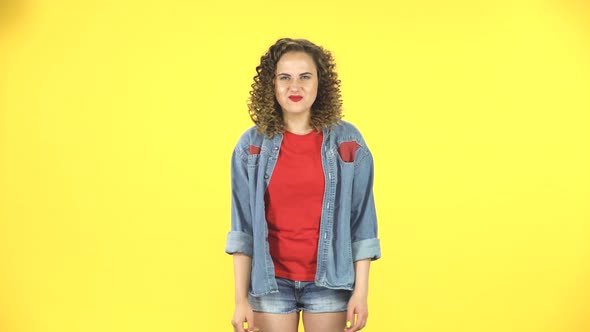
(358, 292)
(241, 300)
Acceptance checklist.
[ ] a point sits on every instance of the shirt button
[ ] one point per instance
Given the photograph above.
(266, 176)
(275, 148)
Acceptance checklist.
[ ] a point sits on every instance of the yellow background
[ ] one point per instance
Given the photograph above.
(118, 118)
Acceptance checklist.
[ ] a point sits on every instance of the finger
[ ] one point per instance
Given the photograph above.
(351, 323)
(361, 320)
(250, 322)
(349, 318)
(236, 326)
(249, 327)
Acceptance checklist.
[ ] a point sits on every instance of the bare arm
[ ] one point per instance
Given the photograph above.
(243, 312)
(242, 269)
(358, 303)
(361, 280)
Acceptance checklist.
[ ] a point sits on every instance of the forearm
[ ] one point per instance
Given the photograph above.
(361, 280)
(242, 270)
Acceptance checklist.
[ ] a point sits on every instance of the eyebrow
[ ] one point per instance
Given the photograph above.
(285, 74)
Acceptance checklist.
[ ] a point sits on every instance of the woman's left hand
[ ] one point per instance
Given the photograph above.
(357, 305)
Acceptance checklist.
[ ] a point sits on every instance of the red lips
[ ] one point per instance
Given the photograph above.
(295, 98)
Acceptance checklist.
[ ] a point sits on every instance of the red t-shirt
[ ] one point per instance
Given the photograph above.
(294, 200)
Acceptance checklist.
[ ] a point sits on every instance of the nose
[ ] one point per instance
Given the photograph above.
(295, 84)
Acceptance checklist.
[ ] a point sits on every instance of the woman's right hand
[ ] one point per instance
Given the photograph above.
(243, 314)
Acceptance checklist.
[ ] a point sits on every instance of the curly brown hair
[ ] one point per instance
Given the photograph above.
(263, 107)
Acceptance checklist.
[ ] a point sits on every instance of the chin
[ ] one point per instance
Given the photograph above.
(297, 108)
(295, 111)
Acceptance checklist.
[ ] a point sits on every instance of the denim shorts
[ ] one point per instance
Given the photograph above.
(295, 296)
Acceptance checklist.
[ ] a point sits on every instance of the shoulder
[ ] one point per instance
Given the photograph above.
(350, 143)
(250, 139)
(346, 131)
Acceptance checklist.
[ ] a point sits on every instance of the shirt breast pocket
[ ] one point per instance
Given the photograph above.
(347, 152)
(253, 155)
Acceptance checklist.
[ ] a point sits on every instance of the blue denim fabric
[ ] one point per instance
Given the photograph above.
(348, 226)
(296, 296)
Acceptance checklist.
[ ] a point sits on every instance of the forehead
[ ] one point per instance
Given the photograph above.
(295, 62)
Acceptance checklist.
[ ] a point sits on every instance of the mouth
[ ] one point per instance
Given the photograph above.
(295, 98)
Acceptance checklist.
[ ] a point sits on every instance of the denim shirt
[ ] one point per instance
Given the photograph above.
(348, 225)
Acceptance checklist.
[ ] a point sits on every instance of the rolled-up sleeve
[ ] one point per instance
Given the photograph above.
(239, 239)
(363, 249)
(365, 243)
(239, 242)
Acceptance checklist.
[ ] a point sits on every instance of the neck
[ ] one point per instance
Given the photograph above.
(297, 124)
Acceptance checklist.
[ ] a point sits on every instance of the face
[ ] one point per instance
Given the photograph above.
(296, 83)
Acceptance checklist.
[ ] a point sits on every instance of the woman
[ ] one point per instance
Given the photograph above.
(303, 227)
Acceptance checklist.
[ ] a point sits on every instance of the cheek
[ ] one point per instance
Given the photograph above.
(315, 89)
(279, 90)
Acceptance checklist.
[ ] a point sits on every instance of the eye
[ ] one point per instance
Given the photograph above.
(283, 78)
(306, 77)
